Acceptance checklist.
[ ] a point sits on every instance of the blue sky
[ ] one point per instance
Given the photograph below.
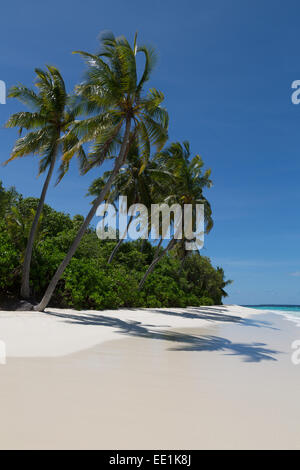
(226, 68)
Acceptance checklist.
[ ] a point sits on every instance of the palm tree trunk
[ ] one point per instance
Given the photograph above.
(182, 264)
(116, 248)
(154, 263)
(158, 247)
(119, 162)
(25, 288)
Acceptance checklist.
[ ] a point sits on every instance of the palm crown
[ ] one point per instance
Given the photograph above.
(121, 113)
(113, 93)
(49, 119)
(50, 116)
(189, 179)
(188, 183)
(139, 182)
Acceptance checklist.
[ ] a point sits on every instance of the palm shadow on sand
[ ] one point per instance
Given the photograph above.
(249, 352)
(215, 315)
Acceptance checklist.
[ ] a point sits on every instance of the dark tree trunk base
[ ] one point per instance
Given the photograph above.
(16, 305)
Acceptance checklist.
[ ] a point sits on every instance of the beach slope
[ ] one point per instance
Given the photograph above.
(196, 378)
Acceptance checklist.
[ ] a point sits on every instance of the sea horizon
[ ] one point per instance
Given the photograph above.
(273, 306)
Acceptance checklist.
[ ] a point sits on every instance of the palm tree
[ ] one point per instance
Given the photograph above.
(140, 183)
(19, 227)
(49, 118)
(189, 183)
(113, 92)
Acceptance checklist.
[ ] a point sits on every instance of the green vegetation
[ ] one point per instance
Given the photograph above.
(47, 255)
(89, 281)
(49, 117)
(122, 112)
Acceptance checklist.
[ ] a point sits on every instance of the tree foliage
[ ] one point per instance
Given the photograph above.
(89, 282)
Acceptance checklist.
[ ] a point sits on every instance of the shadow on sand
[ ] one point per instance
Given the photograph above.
(215, 315)
(249, 352)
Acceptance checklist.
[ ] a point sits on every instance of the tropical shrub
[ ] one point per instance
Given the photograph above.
(89, 282)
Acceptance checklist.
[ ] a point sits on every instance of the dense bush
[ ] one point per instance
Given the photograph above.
(89, 282)
(9, 261)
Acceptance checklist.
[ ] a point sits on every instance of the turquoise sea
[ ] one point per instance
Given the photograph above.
(284, 308)
(290, 311)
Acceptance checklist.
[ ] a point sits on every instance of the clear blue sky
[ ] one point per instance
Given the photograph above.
(226, 68)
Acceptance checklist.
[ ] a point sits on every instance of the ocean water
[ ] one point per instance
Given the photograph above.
(291, 312)
(282, 308)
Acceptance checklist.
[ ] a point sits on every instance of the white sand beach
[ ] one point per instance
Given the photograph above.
(195, 378)
(59, 332)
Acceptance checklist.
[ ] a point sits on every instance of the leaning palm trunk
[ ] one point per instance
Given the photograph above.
(25, 288)
(158, 247)
(116, 248)
(119, 162)
(155, 261)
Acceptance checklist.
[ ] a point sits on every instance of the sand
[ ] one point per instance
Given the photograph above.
(198, 378)
(59, 332)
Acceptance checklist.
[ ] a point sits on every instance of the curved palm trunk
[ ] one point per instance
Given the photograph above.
(25, 288)
(119, 162)
(158, 247)
(154, 263)
(116, 248)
